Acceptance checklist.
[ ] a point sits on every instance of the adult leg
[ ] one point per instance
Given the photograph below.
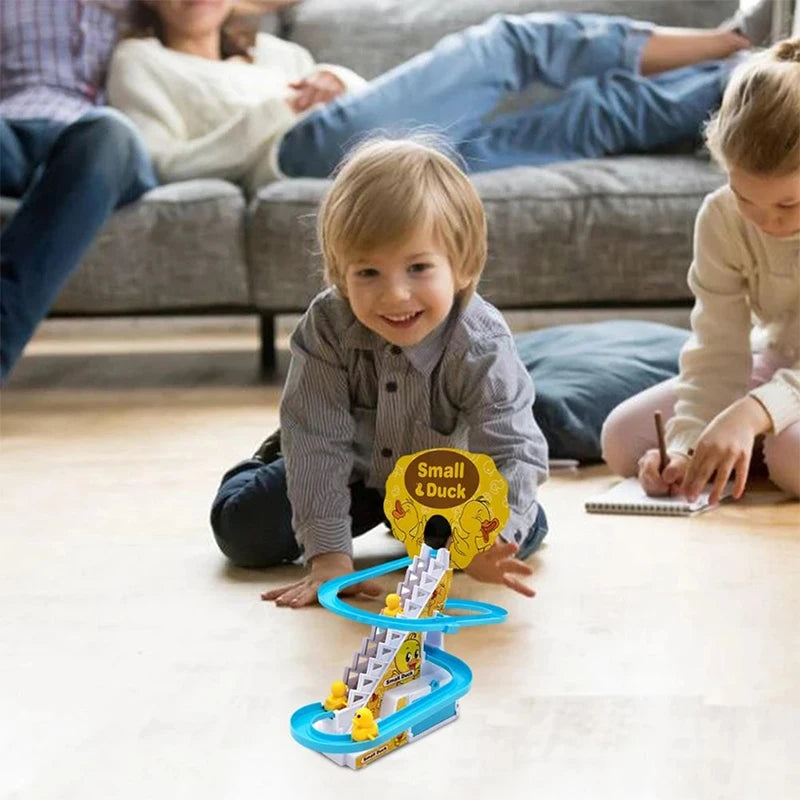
(24, 145)
(463, 80)
(782, 457)
(629, 431)
(252, 519)
(620, 112)
(95, 165)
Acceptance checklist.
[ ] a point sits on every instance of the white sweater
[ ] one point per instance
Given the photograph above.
(747, 298)
(213, 119)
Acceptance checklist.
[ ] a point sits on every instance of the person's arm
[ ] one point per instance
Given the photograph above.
(725, 447)
(324, 84)
(496, 395)
(350, 80)
(716, 361)
(137, 86)
(780, 398)
(716, 421)
(317, 431)
(311, 83)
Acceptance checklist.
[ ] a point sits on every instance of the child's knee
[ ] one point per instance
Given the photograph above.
(782, 457)
(251, 516)
(230, 529)
(244, 536)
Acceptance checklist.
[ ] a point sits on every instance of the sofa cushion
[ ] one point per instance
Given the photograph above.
(613, 231)
(582, 372)
(182, 246)
(345, 32)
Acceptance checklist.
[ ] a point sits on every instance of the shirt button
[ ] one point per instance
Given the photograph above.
(391, 386)
(395, 350)
(386, 452)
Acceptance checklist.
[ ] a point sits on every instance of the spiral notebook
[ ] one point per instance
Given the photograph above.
(628, 497)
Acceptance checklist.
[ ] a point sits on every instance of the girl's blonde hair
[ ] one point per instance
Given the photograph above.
(757, 127)
(388, 189)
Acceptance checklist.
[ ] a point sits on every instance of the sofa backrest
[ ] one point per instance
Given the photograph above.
(371, 36)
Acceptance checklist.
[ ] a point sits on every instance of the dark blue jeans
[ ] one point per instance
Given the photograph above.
(70, 178)
(252, 520)
(519, 90)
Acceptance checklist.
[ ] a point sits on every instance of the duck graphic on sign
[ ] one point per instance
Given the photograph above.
(461, 495)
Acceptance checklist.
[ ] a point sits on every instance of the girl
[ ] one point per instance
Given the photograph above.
(530, 89)
(740, 370)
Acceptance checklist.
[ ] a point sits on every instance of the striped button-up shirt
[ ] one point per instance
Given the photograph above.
(353, 404)
(55, 54)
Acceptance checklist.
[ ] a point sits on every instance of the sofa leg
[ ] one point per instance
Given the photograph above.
(267, 325)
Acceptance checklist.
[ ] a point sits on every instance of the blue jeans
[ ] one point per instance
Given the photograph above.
(70, 178)
(516, 90)
(252, 519)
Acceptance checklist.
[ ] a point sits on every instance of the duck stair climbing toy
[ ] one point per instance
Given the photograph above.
(401, 684)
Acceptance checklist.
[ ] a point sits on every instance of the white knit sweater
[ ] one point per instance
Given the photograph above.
(747, 298)
(202, 118)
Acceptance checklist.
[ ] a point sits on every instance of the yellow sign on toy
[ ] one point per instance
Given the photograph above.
(447, 498)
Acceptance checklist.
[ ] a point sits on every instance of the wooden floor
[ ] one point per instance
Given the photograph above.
(660, 659)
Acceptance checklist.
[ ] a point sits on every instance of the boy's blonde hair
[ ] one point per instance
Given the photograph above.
(757, 127)
(387, 189)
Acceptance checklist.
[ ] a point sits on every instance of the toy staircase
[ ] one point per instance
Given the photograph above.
(427, 573)
(423, 592)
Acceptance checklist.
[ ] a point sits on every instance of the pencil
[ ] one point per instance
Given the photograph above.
(662, 445)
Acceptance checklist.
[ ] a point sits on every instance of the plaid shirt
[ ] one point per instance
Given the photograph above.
(353, 404)
(55, 56)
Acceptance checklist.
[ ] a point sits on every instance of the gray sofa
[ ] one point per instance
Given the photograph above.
(604, 233)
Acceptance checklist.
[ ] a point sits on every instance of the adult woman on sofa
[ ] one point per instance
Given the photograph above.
(531, 89)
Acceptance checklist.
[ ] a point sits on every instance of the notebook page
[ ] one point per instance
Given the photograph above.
(628, 497)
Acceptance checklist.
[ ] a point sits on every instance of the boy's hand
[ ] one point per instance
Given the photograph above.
(668, 482)
(324, 567)
(498, 565)
(319, 87)
(726, 446)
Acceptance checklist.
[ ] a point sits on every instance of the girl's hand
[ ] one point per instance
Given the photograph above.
(319, 87)
(498, 565)
(726, 446)
(668, 482)
(324, 567)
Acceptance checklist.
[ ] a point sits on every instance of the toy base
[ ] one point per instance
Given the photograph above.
(407, 694)
(436, 720)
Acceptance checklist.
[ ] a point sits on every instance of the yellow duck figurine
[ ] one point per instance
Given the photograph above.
(392, 608)
(337, 698)
(364, 726)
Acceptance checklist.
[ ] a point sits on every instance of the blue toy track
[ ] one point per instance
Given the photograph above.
(423, 711)
(303, 719)
(482, 613)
